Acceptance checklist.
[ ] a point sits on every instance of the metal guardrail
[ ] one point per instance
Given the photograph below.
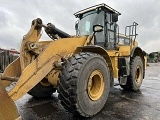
(6, 58)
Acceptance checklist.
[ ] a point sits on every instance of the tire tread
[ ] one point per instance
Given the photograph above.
(72, 68)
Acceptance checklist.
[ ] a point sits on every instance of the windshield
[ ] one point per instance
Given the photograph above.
(87, 20)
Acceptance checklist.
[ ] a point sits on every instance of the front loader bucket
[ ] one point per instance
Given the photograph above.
(8, 110)
(12, 73)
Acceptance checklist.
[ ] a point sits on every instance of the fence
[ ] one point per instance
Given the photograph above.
(6, 58)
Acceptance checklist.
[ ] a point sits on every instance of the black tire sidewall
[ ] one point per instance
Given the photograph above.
(137, 62)
(40, 91)
(87, 105)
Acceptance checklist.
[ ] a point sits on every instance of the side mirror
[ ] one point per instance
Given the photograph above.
(114, 17)
(97, 28)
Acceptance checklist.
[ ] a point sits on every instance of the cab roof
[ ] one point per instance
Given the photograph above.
(95, 7)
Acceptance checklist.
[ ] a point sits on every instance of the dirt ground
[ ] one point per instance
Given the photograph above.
(121, 105)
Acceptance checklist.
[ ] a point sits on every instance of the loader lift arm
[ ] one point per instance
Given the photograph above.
(36, 62)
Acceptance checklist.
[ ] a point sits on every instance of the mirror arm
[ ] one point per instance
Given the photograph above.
(91, 39)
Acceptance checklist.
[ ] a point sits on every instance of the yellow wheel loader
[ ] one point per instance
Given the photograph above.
(81, 68)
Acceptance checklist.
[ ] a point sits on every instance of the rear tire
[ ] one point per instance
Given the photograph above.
(40, 91)
(84, 84)
(134, 80)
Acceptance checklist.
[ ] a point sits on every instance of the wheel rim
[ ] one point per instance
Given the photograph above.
(138, 74)
(95, 85)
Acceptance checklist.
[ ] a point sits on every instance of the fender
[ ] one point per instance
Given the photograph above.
(137, 51)
(101, 51)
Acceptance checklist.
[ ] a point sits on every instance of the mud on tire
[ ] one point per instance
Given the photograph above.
(84, 84)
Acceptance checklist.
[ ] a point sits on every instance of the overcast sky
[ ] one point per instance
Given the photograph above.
(16, 17)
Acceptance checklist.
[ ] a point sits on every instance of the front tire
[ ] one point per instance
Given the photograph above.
(134, 80)
(84, 84)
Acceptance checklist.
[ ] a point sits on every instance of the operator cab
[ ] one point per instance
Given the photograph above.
(98, 15)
